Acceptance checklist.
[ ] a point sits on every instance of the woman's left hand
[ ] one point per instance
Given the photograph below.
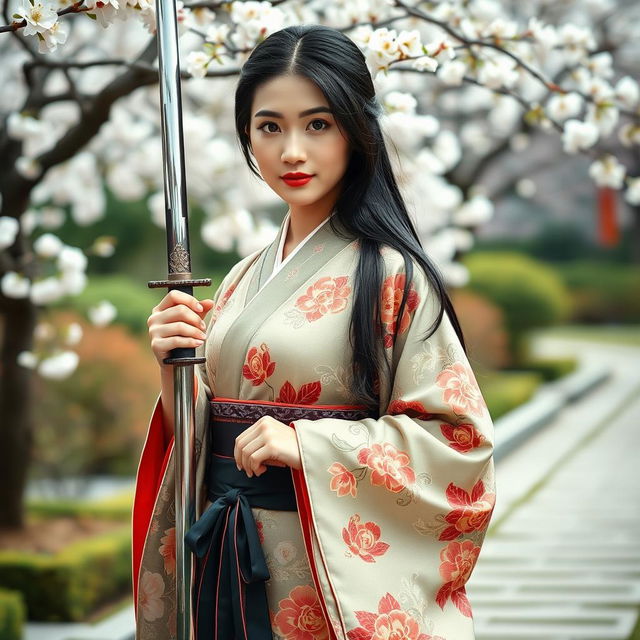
(267, 442)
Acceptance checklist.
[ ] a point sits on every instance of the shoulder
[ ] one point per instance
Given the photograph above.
(395, 269)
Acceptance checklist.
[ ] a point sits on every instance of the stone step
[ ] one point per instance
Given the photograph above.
(559, 570)
(553, 623)
(515, 593)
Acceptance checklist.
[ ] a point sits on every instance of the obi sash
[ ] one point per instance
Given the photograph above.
(229, 593)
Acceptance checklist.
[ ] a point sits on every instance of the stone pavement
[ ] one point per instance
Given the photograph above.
(562, 558)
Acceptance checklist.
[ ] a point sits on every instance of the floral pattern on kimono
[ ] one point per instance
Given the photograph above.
(372, 494)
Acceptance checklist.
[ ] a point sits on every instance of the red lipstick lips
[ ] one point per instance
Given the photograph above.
(296, 178)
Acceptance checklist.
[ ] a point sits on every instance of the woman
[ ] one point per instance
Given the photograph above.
(347, 477)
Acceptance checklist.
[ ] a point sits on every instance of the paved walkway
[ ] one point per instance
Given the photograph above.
(562, 559)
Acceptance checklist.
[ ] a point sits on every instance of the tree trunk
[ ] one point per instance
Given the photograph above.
(16, 415)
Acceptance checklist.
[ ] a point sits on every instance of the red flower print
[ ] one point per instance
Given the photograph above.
(258, 366)
(389, 623)
(474, 510)
(457, 562)
(300, 616)
(462, 437)
(390, 466)
(168, 550)
(392, 291)
(461, 391)
(343, 481)
(223, 301)
(412, 408)
(308, 394)
(363, 539)
(327, 295)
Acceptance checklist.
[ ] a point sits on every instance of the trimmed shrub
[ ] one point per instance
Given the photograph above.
(504, 391)
(67, 586)
(115, 508)
(530, 293)
(12, 615)
(603, 292)
(482, 324)
(550, 368)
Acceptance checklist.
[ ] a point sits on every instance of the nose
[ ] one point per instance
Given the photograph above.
(293, 150)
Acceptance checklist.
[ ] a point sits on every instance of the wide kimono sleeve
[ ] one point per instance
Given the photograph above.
(394, 510)
(153, 517)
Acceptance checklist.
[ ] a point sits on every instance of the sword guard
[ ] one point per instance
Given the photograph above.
(174, 284)
(183, 362)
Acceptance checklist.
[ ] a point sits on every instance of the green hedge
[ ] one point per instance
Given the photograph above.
(530, 293)
(67, 586)
(115, 508)
(549, 368)
(504, 391)
(602, 292)
(12, 615)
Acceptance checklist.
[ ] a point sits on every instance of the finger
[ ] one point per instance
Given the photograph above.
(247, 451)
(258, 459)
(176, 314)
(164, 345)
(177, 329)
(247, 435)
(175, 297)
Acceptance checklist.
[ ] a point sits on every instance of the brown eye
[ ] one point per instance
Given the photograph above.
(324, 122)
(261, 127)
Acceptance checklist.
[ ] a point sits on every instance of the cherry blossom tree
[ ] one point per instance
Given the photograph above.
(462, 83)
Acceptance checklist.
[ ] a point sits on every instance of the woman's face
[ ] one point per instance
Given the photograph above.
(284, 141)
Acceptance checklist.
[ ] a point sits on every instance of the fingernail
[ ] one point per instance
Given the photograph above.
(199, 307)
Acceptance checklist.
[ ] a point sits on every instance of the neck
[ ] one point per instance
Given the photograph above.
(302, 223)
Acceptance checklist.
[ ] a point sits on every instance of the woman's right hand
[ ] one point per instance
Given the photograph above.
(177, 321)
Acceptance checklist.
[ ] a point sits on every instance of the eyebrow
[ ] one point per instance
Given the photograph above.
(307, 112)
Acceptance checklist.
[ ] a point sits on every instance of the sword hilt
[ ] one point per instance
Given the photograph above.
(181, 356)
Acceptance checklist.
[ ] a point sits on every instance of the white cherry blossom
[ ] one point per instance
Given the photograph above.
(71, 259)
(452, 73)
(400, 101)
(54, 36)
(578, 135)
(627, 92)
(48, 245)
(9, 228)
(608, 172)
(59, 366)
(475, 211)
(632, 194)
(102, 314)
(14, 285)
(40, 16)
(27, 359)
(562, 107)
(46, 291)
(73, 334)
(197, 63)
(603, 116)
(409, 43)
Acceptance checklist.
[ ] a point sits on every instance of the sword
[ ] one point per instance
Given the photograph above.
(179, 277)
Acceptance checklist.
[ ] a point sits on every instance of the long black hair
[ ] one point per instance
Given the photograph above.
(370, 206)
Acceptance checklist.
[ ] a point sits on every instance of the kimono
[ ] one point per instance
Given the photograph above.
(391, 510)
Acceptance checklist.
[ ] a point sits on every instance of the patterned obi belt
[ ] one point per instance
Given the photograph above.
(229, 594)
